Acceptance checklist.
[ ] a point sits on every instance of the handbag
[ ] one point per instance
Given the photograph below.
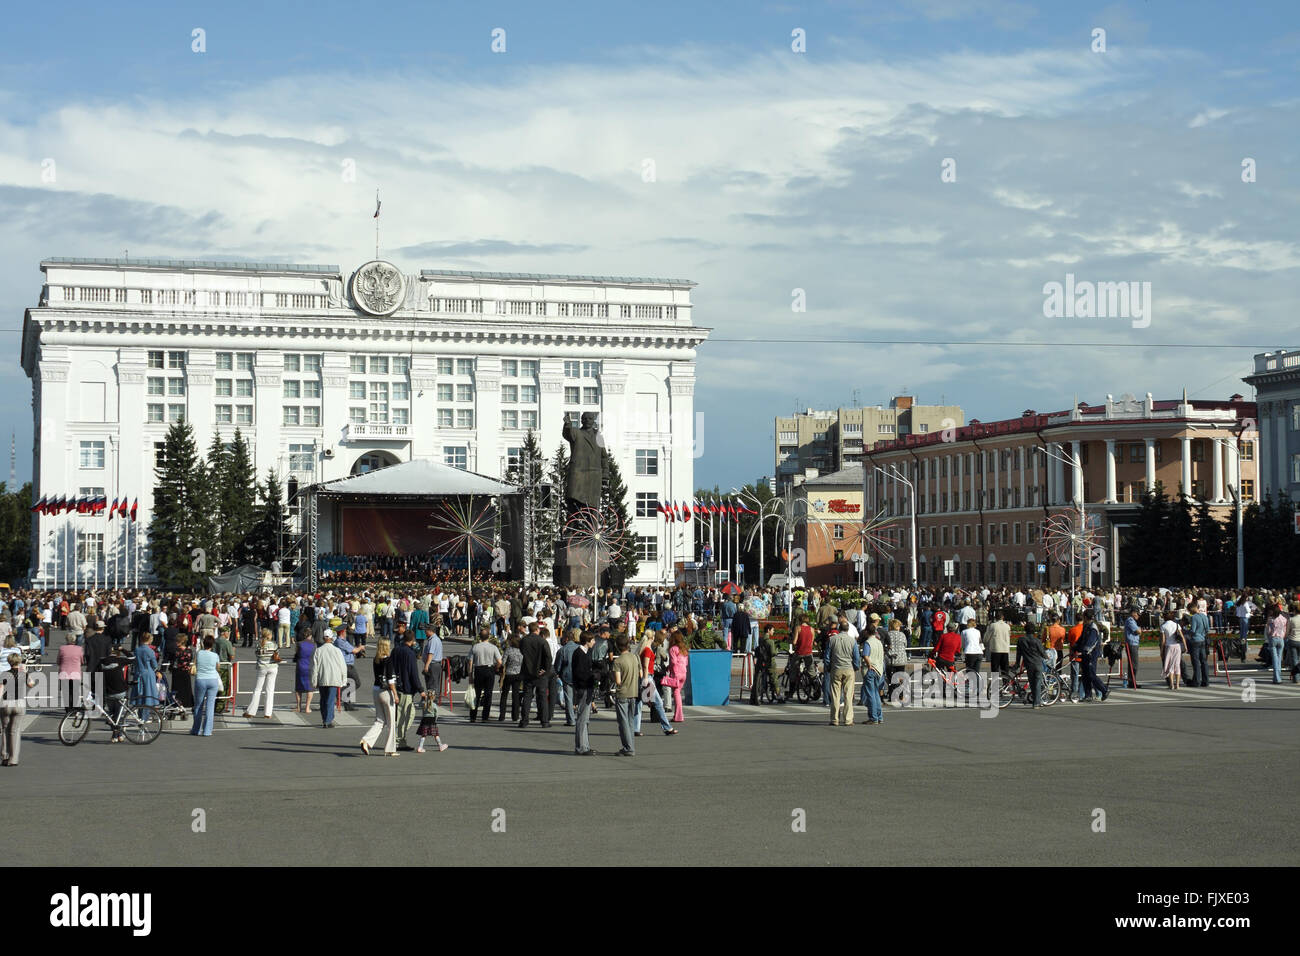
(275, 657)
(471, 698)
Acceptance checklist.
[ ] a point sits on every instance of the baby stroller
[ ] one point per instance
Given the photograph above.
(170, 708)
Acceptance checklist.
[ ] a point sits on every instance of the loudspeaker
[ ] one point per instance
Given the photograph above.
(612, 577)
(560, 575)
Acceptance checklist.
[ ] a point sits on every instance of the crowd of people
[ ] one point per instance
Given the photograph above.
(543, 649)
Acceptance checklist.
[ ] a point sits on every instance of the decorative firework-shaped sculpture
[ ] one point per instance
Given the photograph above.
(1065, 539)
(466, 527)
(595, 540)
(870, 535)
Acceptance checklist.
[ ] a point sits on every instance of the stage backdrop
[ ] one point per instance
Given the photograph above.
(389, 530)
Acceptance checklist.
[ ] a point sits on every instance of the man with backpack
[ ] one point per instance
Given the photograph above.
(765, 669)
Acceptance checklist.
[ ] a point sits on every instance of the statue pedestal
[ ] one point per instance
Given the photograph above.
(578, 566)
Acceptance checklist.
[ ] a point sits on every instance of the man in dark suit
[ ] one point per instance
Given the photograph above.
(409, 684)
(536, 672)
(98, 646)
(739, 630)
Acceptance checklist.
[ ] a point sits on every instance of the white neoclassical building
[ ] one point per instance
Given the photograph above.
(330, 374)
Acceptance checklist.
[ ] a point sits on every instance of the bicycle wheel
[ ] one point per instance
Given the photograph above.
(1007, 691)
(141, 728)
(814, 687)
(1051, 690)
(73, 727)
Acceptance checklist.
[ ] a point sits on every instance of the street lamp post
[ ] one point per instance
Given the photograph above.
(911, 488)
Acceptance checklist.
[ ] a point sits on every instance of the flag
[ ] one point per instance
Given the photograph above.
(377, 205)
(99, 504)
(736, 510)
(39, 507)
(135, 504)
(659, 507)
(113, 510)
(79, 504)
(686, 511)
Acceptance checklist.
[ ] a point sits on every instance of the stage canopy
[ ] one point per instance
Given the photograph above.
(416, 479)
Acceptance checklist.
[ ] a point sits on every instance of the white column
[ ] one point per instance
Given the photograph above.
(1111, 496)
(1057, 469)
(1024, 466)
(1077, 480)
(1187, 465)
(1150, 463)
(1234, 468)
(1216, 449)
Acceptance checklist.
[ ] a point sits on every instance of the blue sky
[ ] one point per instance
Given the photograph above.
(774, 171)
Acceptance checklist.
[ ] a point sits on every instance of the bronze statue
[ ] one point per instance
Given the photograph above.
(582, 484)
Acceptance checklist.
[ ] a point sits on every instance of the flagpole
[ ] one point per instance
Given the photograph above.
(376, 222)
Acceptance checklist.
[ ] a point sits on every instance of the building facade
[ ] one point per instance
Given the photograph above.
(817, 442)
(328, 375)
(986, 496)
(1277, 391)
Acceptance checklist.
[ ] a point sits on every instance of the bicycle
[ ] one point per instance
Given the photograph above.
(804, 685)
(138, 726)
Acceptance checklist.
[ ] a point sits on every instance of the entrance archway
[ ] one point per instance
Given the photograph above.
(373, 461)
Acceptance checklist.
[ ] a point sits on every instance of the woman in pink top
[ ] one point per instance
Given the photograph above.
(71, 657)
(678, 664)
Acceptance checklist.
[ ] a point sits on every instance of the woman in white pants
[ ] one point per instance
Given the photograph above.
(385, 693)
(268, 665)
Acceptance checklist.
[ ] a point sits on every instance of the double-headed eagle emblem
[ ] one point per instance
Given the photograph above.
(378, 288)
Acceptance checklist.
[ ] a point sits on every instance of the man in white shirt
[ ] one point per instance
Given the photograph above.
(282, 617)
(972, 647)
(966, 614)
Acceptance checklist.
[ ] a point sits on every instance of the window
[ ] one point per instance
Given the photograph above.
(1160, 456)
(602, 310)
(156, 413)
(445, 393)
(455, 455)
(356, 416)
(292, 363)
(625, 312)
(1016, 527)
(155, 360)
(528, 394)
(446, 418)
(590, 369)
(291, 415)
(528, 418)
(839, 532)
(885, 429)
(244, 387)
(788, 437)
(292, 389)
(225, 361)
(311, 388)
(1137, 452)
(378, 365)
(647, 548)
(646, 503)
(1295, 468)
(464, 418)
(400, 391)
(379, 402)
(1295, 415)
(401, 416)
(357, 390)
(509, 394)
(528, 368)
(509, 419)
(572, 369)
(92, 454)
(510, 368)
(90, 547)
(224, 388)
(514, 458)
(444, 366)
(464, 393)
(176, 387)
(301, 457)
(311, 416)
(647, 461)
(401, 364)
(1198, 449)
(225, 414)
(1248, 451)
(358, 365)
(591, 396)
(175, 413)
(244, 362)
(1247, 489)
(175, 359)
(464, 366)
(572, 395)
(243, 414)
(156, 385)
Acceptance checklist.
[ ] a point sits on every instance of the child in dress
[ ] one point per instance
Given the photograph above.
(429, 724)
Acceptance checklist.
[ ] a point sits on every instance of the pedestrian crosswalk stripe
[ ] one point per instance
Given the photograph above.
(290, 717)
(345, 719)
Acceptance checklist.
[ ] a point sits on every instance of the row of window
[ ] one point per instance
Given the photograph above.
(399, 365)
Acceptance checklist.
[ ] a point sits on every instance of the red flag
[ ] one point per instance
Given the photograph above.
(659, 507)
(135, 504)
(113, 510)
(686, 511)
(39, 507)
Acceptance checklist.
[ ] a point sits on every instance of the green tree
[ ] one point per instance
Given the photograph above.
(531, 473)
(177, 529)
(211, 494)
(272, 524)
(15, 532)
(239, 511)
(1209, 558)
(613, 503)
